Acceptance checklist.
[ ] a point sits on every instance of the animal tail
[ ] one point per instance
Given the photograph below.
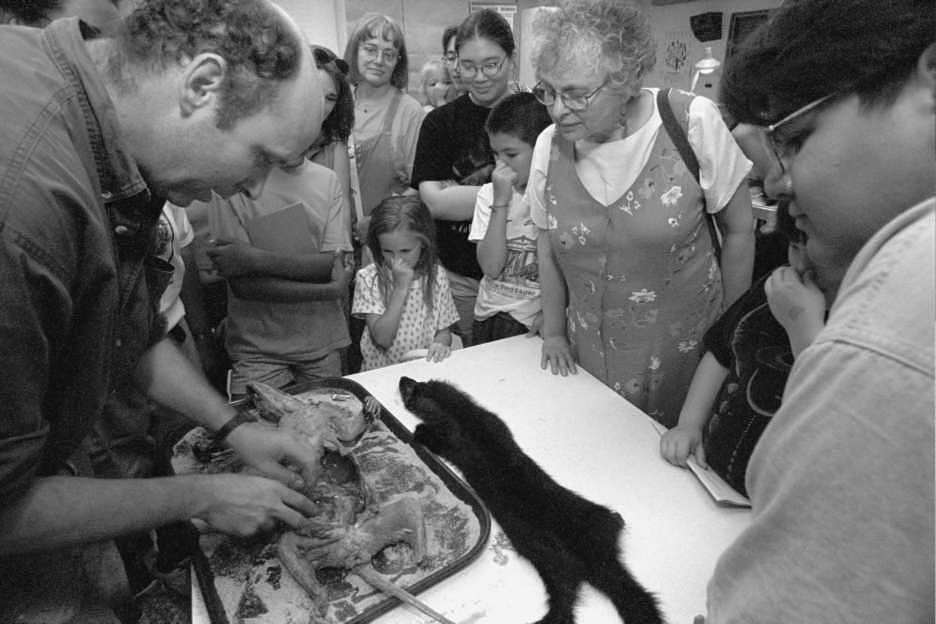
(633, 602)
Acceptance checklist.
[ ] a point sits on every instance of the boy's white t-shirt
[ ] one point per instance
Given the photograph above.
(516, 290)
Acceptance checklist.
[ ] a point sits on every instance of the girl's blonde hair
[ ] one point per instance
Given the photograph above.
(408, 213)
(428, 68)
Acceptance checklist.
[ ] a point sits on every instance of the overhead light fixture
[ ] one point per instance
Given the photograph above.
(706, 65)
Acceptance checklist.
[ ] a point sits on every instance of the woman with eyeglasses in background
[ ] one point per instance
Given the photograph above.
(629, 268)
(386, 118)
(454, 157)
(386, 127)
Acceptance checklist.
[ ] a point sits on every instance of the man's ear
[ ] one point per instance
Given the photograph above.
(202, 81)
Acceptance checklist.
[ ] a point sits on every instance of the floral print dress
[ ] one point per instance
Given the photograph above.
(643, 281)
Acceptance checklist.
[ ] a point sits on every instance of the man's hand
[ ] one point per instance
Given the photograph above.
(794, 299)
(243, 505)
(292, 460)
(231, 258)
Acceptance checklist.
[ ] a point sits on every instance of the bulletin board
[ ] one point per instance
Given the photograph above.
(743, 24)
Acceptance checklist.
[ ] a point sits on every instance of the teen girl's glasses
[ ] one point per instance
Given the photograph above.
(575, 102)
(490, 69)
(785, 145)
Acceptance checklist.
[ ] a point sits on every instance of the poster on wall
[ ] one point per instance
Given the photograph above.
(509, 11)
(743, 24)
(675, 59)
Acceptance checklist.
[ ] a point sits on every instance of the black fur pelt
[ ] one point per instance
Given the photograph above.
(567, 538)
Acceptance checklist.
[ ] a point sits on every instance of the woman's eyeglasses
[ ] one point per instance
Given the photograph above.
(785, 147)
(490, 69)
(371, 51)
(575, 102)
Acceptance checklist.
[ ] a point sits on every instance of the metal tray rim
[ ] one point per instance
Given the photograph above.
(457, 486)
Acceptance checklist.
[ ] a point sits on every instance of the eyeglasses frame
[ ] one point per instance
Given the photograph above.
(479, 69)
(770, 130)
(379, 54)
(539, 87)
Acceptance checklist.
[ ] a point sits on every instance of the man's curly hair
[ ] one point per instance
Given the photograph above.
(260, 48)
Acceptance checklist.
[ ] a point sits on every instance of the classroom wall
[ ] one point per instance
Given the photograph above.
(678, 49)
(328, 22)
(320, 20)
(423, 22)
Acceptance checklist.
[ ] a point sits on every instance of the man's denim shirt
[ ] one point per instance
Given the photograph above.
(78, 285)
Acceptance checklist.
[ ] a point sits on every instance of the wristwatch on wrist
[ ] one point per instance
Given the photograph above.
(236, 421)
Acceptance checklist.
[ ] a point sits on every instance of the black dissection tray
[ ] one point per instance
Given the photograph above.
(468, 514)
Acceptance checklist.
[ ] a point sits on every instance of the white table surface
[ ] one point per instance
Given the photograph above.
(592, 441)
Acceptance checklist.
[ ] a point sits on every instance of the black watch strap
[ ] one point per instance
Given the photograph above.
(236, 421)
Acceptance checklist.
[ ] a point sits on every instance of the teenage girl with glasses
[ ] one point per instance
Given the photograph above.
(454, 157)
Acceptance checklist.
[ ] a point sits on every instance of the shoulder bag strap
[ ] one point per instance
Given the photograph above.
(678, 135)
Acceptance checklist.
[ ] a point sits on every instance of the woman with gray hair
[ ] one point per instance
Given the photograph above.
(631, 267)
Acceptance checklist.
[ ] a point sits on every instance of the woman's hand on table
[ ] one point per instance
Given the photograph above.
(557, 355)
(680, 442)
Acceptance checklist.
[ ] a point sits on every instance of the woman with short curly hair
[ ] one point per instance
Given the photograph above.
(629, 268)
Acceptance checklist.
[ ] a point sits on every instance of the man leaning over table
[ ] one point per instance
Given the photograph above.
(190, 97)
(841, 482)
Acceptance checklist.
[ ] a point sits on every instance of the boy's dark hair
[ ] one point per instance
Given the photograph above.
(261, 49)
(519, 115)
(812, 48)
(486, 24)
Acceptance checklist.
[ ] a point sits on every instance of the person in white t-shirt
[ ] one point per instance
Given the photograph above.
(508, 302)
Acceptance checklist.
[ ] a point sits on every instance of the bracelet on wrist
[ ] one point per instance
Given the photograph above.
(235, 421)
(497, 206)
